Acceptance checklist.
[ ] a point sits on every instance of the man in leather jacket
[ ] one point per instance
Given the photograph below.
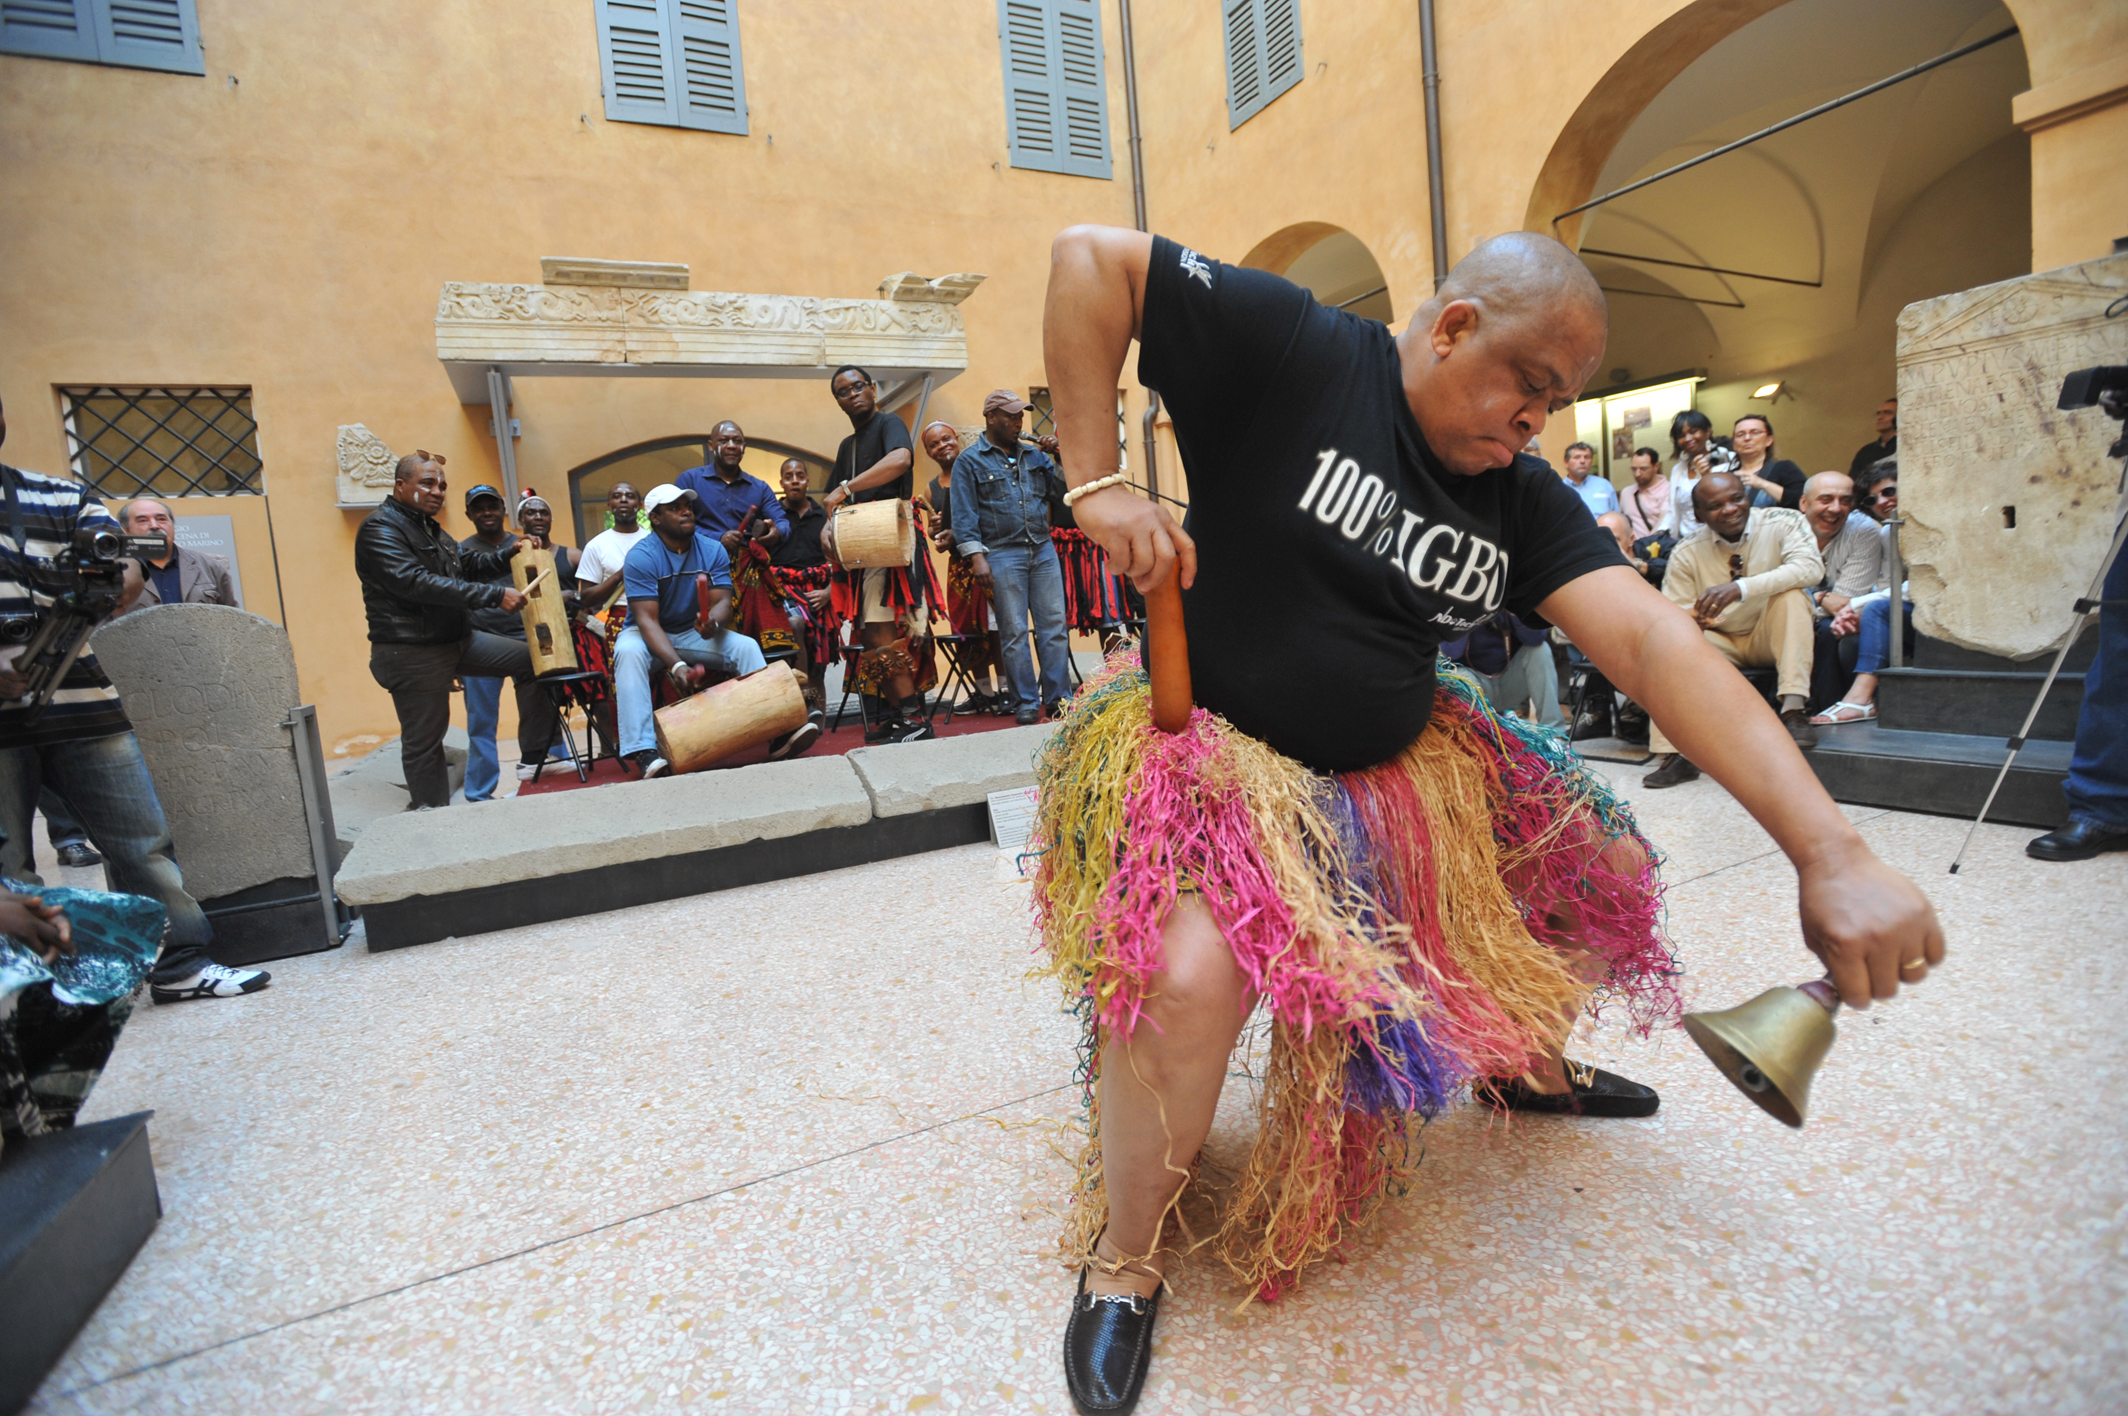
(420, 638)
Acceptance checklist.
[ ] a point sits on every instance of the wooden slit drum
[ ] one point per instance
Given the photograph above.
(546, 619)
(729, 717)
(874, 536)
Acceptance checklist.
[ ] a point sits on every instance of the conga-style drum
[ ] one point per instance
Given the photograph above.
(547, 632)
(876, 535)
(729, 717)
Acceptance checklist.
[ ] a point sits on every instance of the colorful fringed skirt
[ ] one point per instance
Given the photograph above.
(1410, 928)
(1093, 594)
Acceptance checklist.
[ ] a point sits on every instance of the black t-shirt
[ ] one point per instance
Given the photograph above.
(1790, 478)
(801, 549)
(863, 449)
(1869, 454)
(1335, 553)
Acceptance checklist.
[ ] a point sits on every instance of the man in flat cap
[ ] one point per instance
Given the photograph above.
(1001, 492)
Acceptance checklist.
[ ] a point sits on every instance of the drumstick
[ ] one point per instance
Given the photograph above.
(527, 591)
(1168, 655)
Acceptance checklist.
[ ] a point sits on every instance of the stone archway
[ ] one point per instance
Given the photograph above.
(1331, 263)
(1584, 145)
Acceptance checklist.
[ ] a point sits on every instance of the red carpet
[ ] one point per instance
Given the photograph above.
(561, 777)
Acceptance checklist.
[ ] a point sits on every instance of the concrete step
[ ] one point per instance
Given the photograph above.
(1947, 774)
(1981, 702)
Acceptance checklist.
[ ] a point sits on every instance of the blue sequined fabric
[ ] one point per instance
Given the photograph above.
(116, 938)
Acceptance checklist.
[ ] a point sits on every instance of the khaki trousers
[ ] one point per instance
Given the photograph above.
(1782, 639)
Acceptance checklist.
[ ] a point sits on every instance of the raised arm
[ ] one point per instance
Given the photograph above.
(1860, 916)
(1096, 305)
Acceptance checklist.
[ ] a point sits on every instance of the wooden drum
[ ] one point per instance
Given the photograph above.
(874, 536)
(546, 619)
(729, 717)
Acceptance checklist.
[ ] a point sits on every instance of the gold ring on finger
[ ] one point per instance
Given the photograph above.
(1913, 964)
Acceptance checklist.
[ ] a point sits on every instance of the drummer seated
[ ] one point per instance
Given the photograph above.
(659, 578)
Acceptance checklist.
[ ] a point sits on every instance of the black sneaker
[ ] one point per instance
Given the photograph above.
(1027, 717)
(76, 854)
(1673, 772)
(1590, 723)
(648, 764)
(213, 981)
(797, 740)
(1631, 725)
(917, 731)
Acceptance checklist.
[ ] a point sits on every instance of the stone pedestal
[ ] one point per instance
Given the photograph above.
(2009, 501)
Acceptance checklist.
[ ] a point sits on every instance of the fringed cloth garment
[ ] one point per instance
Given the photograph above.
(1093, 594)
(760, 610)
(967, 602)
(59, 1021)
(824, 626)
(1401, 924)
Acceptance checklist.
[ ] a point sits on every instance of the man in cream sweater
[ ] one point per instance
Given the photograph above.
(1745, 577)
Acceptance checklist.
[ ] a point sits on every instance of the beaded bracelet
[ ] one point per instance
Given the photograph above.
(1113, 479)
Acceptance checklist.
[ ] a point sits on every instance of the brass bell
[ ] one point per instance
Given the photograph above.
(1771, 1047)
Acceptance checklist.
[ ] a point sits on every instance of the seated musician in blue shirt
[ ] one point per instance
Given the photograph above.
(659, 579)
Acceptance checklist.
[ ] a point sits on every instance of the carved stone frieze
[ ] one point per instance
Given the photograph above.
(919, 326)
(2008, 500)
(366, 467)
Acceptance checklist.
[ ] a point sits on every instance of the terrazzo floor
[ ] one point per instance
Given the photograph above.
(797, 1148)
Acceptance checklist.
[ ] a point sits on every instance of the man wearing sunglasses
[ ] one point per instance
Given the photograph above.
(1744, 576)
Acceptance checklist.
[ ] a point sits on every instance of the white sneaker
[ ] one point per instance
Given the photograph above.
(213, 981)
(525, 771)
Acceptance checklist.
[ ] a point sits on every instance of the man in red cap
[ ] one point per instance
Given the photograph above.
(1001, 492)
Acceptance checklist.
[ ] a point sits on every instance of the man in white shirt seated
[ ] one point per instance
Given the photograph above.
(1744, 576)
(1596, 492)
(598, 569)
(1853, 552)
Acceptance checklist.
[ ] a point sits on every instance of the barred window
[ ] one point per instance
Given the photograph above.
(168, 442)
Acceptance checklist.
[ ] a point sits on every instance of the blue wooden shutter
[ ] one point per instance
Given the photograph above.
(1056, 89)
(52, 29)
(712, 81)
(149, 34)
(1263, 54)
(636, 61)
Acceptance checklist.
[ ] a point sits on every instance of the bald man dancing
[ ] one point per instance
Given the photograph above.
(1421, 894)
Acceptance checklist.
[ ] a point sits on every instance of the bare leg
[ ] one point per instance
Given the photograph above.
(1160, 1090)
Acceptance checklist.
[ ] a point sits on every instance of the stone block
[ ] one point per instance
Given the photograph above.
(469, 847)
(208, 689)
(2008, 500)
(957, 771)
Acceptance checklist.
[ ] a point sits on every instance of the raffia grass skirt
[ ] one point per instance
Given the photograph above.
(1408, 928)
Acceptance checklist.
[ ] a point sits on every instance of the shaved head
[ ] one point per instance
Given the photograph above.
(1510, 338)
(1524, 273)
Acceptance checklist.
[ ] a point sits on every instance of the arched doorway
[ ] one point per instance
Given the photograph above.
(1334, 265)
(646, 464)
(1783, 265)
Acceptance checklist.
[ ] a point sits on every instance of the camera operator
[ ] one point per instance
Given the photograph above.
(417, 598)
(83, 743)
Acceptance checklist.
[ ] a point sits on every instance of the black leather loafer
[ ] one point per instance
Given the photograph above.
(1594, 1092)
(1108, 1344)
(2079, 840)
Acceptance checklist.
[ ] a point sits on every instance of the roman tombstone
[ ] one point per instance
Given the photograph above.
(2008, 501)
(208, 689)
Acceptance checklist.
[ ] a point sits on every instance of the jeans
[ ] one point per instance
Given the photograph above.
(418, 677)
(60, 826)
(728, 652)
(1024, 580)
(1531, 676)
(483, 706)
(106, 780)
(1876, 635)
(2097, 788)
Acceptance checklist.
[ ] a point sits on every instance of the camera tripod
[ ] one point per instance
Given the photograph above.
(2106, 387)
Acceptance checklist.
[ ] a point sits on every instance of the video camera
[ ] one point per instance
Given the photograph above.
(2088, 388)
(53, 638)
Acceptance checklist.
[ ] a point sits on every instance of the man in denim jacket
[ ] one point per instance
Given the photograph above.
(1001, 492)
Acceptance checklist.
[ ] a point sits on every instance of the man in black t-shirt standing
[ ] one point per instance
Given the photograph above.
(877, 462)
(802, 569)
(1380, 475)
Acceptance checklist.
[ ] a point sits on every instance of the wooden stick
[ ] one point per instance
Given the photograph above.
(1168, 655)
(527, 592)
